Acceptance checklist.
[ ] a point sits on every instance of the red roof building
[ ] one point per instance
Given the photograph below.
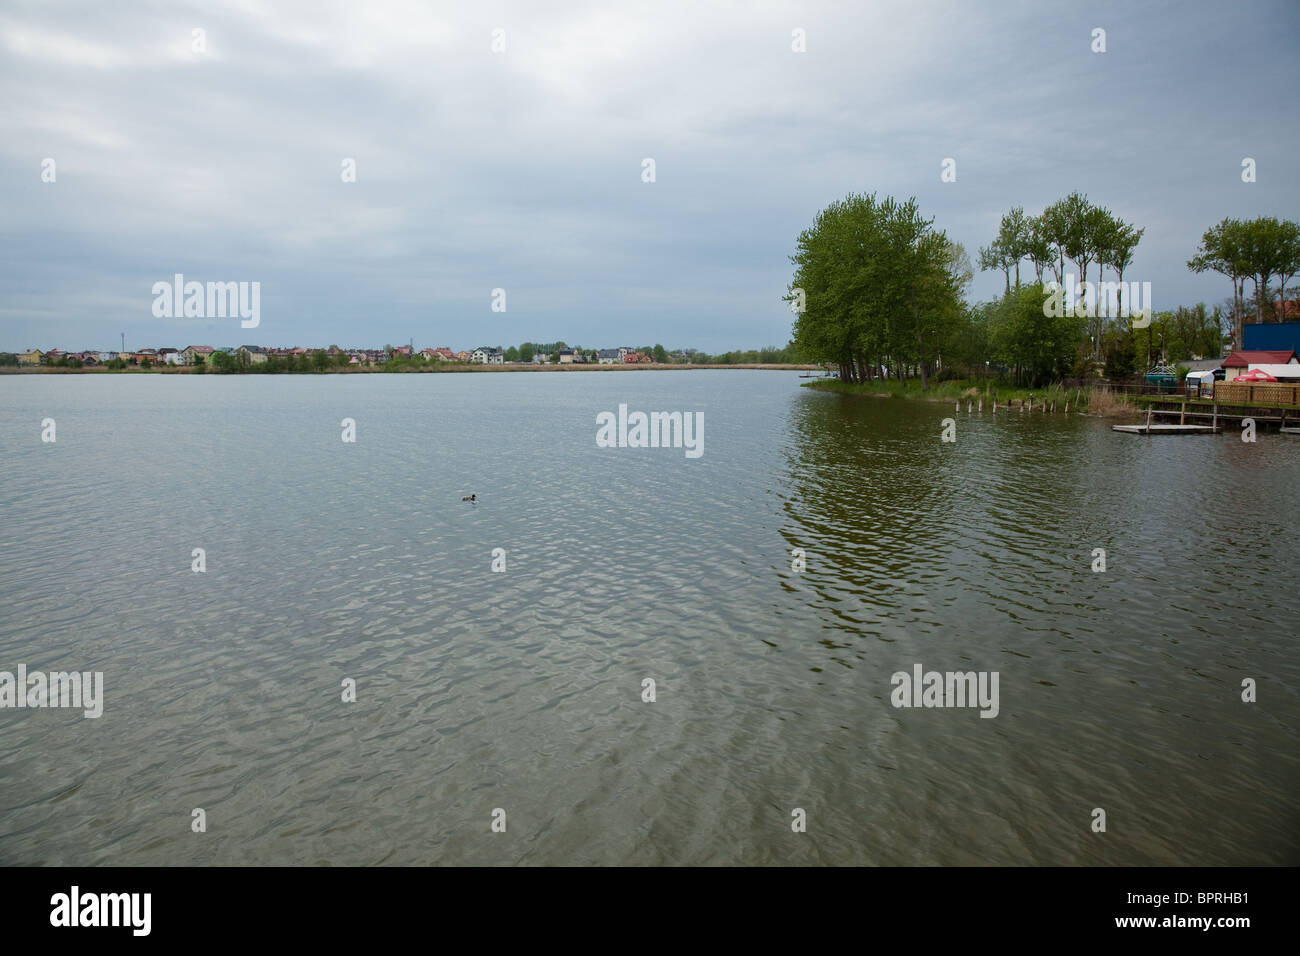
(1242, 359)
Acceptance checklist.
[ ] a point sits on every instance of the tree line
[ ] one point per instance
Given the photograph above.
(1255, 249)
(879, 290)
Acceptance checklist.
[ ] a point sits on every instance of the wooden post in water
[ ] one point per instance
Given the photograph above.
(1182, 414)
(1148, 419)
(1067, 408)
(1031, 403)
(981, 408)
(1215, 425)
(958, 405)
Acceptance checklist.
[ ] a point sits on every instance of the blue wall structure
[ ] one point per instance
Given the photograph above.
(1271, 336)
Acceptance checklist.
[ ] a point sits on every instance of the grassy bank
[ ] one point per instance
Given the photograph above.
(1093, 400)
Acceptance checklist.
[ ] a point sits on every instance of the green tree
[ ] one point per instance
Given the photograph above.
(1080, 223)
(1014, 237)
(1121, 242)
(1288, 260)
(1054, 230)
(1224, 249)
(994, 256)
(877, 281)
(1038, 249)
(660, 354)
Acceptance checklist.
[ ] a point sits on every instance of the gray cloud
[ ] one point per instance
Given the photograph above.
(522, 169)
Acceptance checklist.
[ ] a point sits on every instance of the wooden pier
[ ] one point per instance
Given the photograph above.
(1213, 415)
(1159, 429)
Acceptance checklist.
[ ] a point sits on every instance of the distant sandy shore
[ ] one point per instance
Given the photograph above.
(432, 367)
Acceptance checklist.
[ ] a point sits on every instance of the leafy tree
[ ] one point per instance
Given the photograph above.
(1288, 263)
(1037, 347)
(1014, 237)
(1080, 222)
(878, 280)
(1121, 241)
(660, 354)
(994, 256)
(1271, 248)
(1223, 249)
(1038, 249)
(1054, 229)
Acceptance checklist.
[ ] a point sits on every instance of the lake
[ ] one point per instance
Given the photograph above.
(523, 690)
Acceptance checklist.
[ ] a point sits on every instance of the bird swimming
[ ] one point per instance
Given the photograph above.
(473, 497)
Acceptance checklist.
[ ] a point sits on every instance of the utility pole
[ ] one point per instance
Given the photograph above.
(123, 341)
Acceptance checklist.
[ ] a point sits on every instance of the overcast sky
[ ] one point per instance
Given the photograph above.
(522, 169)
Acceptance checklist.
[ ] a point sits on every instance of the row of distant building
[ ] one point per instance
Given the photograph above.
(256, 354)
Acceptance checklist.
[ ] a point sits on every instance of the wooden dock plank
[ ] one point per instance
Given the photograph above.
(1165, 429)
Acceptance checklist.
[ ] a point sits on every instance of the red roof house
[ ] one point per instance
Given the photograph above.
(1243, 359)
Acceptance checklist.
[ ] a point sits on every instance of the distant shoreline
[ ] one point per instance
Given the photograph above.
(419, 370)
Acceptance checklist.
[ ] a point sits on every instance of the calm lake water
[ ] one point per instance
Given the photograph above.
(522, 690)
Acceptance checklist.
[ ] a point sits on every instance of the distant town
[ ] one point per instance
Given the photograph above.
(290, 359)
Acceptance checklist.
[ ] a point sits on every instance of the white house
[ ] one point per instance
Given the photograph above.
(487, 355)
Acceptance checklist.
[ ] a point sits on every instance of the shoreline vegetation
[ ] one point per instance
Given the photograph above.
(1091, 400)
(880, 293)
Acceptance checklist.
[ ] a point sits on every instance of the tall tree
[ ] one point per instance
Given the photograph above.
(994, 256)
(877, 282)
(1288, 260)
(1038, 248)
(1079, 222)
(1013, 236)
(1223, 250)
(1123, 240)
(1055, 227)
